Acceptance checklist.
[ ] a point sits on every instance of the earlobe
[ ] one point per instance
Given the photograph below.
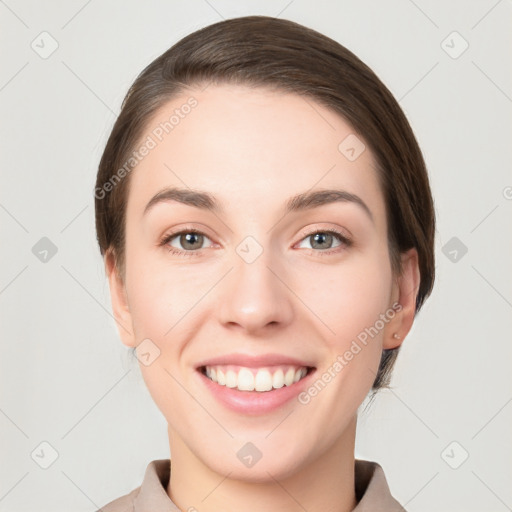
(407, 290)
(120, 306)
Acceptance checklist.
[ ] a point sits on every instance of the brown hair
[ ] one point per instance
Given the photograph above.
(280, 54)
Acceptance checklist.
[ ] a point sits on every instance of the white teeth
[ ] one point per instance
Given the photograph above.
(231, 379)
(245, 380)
(278, 379)
(289, 378)
(262, 380)
(221, 378)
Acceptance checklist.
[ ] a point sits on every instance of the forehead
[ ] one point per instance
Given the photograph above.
(251, 146)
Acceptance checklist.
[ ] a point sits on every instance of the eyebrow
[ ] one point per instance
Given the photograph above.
(300, 202)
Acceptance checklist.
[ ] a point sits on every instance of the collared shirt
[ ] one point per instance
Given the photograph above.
(371, 487)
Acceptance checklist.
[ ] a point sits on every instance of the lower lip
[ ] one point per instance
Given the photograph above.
(255, 402)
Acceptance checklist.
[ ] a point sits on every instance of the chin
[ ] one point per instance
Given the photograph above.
(270, 466)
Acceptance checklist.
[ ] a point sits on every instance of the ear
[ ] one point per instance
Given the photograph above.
(118, 296)
(404, 295)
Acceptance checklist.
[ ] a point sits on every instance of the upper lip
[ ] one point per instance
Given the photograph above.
(251, 361)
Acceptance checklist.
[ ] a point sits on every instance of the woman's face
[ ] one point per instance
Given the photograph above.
(266, 276)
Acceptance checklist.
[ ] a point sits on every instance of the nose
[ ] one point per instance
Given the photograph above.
(255, 297)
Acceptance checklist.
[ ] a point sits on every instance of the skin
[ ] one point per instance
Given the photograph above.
(253, 149)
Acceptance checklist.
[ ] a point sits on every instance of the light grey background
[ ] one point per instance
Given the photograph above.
(65, 377)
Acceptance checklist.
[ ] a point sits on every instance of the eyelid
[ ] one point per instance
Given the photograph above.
(168, 236)
(345, 240)
(343, 233)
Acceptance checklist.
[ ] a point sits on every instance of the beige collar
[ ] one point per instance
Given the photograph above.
(372, 491)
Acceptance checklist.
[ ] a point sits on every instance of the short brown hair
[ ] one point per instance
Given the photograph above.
(281, 54)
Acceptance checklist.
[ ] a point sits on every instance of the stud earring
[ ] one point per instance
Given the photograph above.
(396, 336)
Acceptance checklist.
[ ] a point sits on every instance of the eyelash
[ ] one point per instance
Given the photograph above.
(168, 237)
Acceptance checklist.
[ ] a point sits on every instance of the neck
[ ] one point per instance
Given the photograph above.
(325, 483)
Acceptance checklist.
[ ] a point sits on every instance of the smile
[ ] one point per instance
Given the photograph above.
(255, 379)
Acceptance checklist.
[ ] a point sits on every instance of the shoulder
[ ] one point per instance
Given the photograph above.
(372, 489)
(150, 495)
(123, 504)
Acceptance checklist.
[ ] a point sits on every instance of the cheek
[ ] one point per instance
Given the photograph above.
(365, 294)
(161, 295)
(347, 298)
(162, 303)
(352, 304)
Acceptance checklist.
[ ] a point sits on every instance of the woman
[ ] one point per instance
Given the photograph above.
(237, 154)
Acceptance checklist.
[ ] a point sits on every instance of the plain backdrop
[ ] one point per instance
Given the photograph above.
(71, 396)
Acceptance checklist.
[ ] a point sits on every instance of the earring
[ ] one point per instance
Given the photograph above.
(396, 336)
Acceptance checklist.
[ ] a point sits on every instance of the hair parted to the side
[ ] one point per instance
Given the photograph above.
(260, 51)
